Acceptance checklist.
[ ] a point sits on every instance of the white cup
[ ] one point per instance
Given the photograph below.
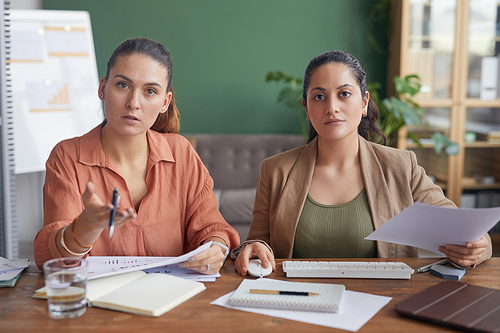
(66, 282)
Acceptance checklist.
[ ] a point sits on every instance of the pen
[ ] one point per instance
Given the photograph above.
(280, 292)
(428, 267)
(112, 215)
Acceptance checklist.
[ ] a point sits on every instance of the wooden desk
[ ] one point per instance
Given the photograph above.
(21, 313)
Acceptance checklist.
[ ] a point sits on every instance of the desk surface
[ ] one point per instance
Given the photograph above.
(19, 312)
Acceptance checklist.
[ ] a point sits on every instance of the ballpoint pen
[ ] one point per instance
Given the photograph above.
(281, 292)
(428, 267)
(112, 215)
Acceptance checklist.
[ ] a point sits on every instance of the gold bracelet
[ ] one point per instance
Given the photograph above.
(74, 238)
(63, 243)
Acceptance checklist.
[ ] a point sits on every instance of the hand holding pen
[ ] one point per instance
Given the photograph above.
(96, 215)
(112, 216)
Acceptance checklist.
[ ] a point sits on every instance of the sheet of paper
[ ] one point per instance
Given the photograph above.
(356, 309)
(427, 227)
(26, 46)
(66, 41)
(7, 265)
(48, 96)
(106, 266)
(8, 275)
(184, 273)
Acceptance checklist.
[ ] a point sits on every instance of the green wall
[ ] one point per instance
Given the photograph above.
(222, 50)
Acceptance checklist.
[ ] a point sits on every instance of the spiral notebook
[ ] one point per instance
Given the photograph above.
(327, 300)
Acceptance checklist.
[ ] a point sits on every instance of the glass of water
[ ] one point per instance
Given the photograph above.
(66, 281)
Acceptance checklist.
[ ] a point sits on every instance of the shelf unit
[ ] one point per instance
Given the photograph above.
(445, 43)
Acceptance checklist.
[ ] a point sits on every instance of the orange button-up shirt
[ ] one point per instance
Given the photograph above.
(177, 214)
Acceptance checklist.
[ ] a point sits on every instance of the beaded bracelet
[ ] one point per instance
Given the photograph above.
(74, 238)
(63, 243)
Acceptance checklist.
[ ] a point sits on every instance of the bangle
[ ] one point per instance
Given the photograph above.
(74, 238)
(224, 247)
(236, 251)
(63, 243)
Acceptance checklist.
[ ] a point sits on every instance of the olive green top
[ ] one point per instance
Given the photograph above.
(335, 231)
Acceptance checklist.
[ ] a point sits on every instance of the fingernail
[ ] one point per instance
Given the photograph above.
(182, 265)
(192, 259)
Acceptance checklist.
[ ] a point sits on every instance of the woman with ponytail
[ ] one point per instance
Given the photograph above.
(167, 205)
(321, 200)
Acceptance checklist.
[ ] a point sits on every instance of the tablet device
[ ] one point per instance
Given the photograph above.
(455, 304)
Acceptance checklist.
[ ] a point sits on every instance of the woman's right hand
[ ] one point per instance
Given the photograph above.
(253, 250)
(95, 216)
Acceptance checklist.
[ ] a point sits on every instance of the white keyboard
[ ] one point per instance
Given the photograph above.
(347, 269)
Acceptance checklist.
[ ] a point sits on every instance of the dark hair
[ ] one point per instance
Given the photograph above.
(368, 127)
(168, 122)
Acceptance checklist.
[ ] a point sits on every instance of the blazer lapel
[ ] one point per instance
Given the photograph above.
(292, 199)
(379, 198)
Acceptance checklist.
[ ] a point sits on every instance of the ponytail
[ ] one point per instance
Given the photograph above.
(168, 122)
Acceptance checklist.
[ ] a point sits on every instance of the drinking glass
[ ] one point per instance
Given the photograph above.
(66, 281)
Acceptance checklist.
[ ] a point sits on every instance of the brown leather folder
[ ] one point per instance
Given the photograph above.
(455, 304)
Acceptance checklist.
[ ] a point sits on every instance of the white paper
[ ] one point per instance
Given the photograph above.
(107, 266)
(26, 46)
(428, 227)
(48, 96)
(356, 309)
(8, 275)
(7, 265)
(184, 273)
(66, 41)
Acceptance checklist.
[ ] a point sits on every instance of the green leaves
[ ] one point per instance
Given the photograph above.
(409, 85)
(401, 109)
(291, 96)
(280, 76)
(441, 141)
(410, 114)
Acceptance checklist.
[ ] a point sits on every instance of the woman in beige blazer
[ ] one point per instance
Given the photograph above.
(339, 164)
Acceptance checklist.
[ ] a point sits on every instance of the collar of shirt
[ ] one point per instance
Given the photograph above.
(99, 158)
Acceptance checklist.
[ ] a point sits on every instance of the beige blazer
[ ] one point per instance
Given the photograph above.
(393, 181)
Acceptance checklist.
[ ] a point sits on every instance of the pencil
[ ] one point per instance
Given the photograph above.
(281, 292)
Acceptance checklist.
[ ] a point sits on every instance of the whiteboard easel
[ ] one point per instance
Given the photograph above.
(54, 82)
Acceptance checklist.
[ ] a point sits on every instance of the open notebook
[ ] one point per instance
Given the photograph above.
(139, 293)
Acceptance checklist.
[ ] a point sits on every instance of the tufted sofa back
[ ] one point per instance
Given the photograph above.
(234, 160)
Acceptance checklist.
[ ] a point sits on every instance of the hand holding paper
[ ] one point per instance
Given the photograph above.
(466, 255)
(428, 227)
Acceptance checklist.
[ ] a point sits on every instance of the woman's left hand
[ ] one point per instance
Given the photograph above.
(207, 262)
(466, 255)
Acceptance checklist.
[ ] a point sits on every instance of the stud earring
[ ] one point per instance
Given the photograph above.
(101, 96)
(365, 114)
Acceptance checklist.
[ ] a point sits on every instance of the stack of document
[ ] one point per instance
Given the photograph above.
(108, 266)
(10, 270)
